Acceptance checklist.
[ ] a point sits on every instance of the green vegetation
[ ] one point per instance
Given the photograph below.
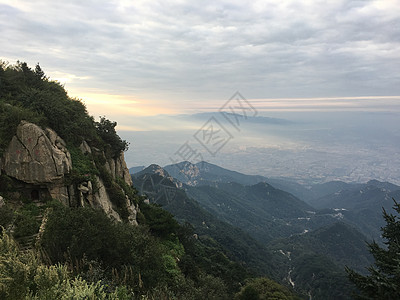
(264, 288)
(27, 94)
(83, 167)
(317, 259)
(25, 221)
(383, 280)
(6, 216)
(142, 259)
(23, 275)
(321, 277)
(116, 192)
(83, 253)
(223, 237)
(113, 143)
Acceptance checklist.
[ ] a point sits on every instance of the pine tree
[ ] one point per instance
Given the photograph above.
(383, 280)
(39, 72)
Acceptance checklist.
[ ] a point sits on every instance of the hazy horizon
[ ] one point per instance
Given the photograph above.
(328, 68)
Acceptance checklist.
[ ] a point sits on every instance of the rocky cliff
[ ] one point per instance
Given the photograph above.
(40, 165)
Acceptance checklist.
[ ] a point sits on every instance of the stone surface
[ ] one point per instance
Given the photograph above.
(36, 156)
(60, 192)
(117, 168)
(122, 170)
(100, 199)
(84, 147)
(132, 209)
(39, 159)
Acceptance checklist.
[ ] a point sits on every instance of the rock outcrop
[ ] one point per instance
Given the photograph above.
(117, 168)
(98, 198)
(36, 156)
(40, 161)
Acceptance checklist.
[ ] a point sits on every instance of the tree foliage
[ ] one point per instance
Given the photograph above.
(24, 276)
(106, 131)
(383, 280)
(148, 259)
(27, 94)
(263, 289)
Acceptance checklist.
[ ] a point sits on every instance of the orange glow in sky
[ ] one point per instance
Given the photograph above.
(121, 105)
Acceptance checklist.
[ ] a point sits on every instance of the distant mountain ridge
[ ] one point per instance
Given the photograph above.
(136, 169)
(240, 117)
(359, 204)
(204, 173)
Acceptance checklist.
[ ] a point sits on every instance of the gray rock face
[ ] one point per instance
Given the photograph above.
(36, 155)
(117, 168)
(99, 199)
(39, 159)
(132, 209)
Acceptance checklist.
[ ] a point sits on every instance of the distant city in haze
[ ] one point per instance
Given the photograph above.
(306, 146)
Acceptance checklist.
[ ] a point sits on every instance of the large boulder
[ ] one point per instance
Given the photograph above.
(36, 156)
(39, 160)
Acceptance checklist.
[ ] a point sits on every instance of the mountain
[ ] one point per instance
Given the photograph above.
(221, 192)
(371, 195)
(331, 187)
(361, 204)
(260, 210)
(239, 117)
(263, 211)
(318, 258)
(340, 242)
(136, 169)
(248, 202)
(162, 189)
(204, 173)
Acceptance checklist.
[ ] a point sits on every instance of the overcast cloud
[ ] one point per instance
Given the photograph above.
(175, 52)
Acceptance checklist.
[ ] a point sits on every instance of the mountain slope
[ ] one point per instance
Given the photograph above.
(340, 242)
(315, 260)
(361, 204)
(161, 189)
(263, 211)
(310, 271)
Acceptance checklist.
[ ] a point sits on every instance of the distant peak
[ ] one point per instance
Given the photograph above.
(374, 182)
(155, 169)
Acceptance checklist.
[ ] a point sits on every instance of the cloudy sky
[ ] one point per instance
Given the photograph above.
(153, 57)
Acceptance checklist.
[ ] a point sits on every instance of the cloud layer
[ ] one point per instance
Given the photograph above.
(172, 54)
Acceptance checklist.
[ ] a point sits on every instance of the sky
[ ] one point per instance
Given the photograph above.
(137, 58)
(150, 64)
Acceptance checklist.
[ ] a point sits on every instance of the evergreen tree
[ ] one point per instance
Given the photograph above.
(39, 72)
(383, 281)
